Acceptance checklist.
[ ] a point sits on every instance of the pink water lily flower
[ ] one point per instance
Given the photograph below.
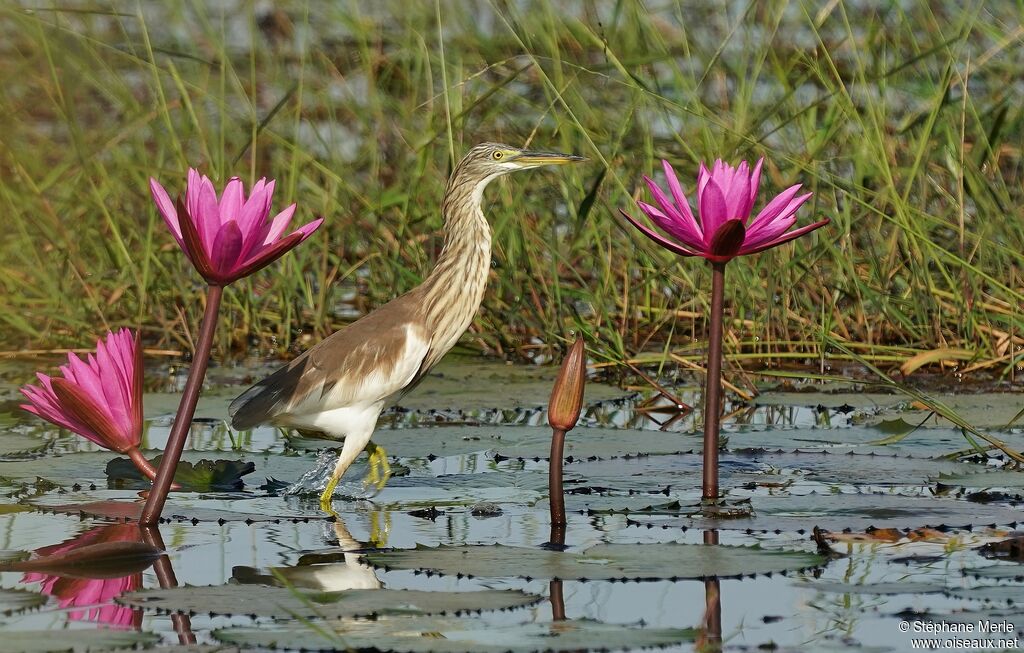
(99, 398)
(228, 238)
(725, 201)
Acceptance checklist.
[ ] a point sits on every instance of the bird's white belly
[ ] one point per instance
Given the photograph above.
(355, 420)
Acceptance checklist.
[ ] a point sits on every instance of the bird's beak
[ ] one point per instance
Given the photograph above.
(534, 159)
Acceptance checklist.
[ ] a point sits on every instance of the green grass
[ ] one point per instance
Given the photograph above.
(359, 109)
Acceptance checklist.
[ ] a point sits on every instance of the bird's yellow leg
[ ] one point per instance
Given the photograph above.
(328, 494)
(380, 469)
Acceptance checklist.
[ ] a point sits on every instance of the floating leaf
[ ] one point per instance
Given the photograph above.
(1004, 478)
(997, 572)
(16, 600)
(757, 466)
(989, 593)
(14, 445)
(601, 562)
(881, 589)
(856, 512)
(47, 641)
(102, 560)
(88, 466)
(183, 509)
(280, 602)
(526, 441)
(449, 635)
(201, 476)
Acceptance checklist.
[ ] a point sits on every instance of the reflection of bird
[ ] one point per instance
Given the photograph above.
(322, 572)
(341, 385)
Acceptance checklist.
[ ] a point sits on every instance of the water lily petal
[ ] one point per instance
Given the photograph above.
(207, 219)
(658, 238)
(796, 233)
(673, 227)
(682, 203)
(773, 209)
(703, 175)
(755, 182)
(226, 249)
(115, 386)
(268, 254)
(787, 216)
(231, 201)
(737, 194)
(101, 428)
(727, 241)
(195, 181)
(307, 229)
(713, 210)
(254, 214)
(770, 231)
(166, 208)
(278, 225)
(84, 375)
(195, 250)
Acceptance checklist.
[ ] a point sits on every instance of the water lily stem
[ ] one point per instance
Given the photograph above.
(710, 639)
(186, 409)
(713, 386)
(165, 576)
(141, 463)
(556, 494)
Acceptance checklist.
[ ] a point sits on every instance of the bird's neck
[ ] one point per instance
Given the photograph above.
(453, 290)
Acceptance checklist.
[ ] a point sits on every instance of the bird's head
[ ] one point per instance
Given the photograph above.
(489, 160)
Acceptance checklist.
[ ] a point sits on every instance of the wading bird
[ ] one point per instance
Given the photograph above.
(340, 386)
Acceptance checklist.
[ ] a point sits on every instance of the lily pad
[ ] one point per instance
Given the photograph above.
(448, 635)
(531, 442)
(998, 572)
(879, 589)
(1010, 594)
(15, 445)
(16, 600)
(600, 562)
(77, 640)
(88, 466)
(857, 512)
(280, 601)
(183, 509)
(756, 466)
(201, 476)
(981, 479)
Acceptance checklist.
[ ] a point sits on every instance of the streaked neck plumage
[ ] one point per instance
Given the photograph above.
(454, 289)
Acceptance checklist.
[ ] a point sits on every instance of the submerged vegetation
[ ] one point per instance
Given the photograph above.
(902, 122)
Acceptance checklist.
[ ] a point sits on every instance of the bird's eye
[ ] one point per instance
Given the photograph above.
(498, 155)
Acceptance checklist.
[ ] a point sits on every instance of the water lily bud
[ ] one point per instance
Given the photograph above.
(567, 395)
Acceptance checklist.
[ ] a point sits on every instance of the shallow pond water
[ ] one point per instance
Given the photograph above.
(472, 475)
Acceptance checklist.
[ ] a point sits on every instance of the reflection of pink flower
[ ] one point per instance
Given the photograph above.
(94, 596)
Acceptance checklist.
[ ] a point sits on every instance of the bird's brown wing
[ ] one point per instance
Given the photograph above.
(368, 361)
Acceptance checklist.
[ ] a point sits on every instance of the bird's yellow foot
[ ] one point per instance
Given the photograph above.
(328, 494)
(380, 469)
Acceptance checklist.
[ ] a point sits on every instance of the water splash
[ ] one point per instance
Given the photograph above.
(315, 480)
